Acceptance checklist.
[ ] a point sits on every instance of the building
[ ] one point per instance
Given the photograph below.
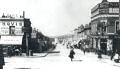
(39, 42)
(84, 36)
(11, 31)
(104, 25)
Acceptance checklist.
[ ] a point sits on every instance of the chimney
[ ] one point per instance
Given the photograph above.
(3, 16)
(23, 14)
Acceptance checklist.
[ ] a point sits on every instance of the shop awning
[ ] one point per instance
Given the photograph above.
(11, 40)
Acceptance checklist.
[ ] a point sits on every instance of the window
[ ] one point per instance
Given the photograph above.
(113, 10)
(12, 30)
(117, 26)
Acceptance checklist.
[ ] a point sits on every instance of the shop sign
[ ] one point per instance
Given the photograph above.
(12, 23)
(11, 40)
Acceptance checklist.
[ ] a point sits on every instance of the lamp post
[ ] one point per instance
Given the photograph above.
(27, 31)
(118, 31)
(27, 48)
(119, 14)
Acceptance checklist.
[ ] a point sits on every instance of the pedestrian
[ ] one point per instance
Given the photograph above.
(112, 55)
(17, 51)
(99, 54)
(71, 54)
(84, 49)
(9, 52)
(1, 58)
(117, 56)
(20, 51)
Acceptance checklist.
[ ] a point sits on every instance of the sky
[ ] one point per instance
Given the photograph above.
(52, 17)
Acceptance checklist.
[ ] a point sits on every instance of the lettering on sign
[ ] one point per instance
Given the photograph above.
(12, 23)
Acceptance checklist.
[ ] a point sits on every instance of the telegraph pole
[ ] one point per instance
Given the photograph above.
(27, 48)
(119, 14)
(27, 29)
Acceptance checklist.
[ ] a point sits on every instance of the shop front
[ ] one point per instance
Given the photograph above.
(11, 44)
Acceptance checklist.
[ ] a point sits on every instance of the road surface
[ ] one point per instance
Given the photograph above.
(61, 61)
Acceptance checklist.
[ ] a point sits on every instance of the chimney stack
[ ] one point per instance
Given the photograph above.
(23, 14)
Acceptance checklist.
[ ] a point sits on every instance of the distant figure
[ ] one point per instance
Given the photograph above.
(99, 54)
(116, 57)
(20, 51)
(112, 55)
(72, 53)
(17, 52)
(1, 58)
(84, 49)
(9, 52)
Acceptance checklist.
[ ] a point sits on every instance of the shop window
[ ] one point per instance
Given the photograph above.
(117, 26)
(12, 30)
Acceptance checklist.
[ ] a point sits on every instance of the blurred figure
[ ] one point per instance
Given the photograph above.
(72, 53)
(20, 52)
(84, 49)
(99, 54)
(112, 55)
(16, 51)
(1, 58)
(116, 57)
(9, 52)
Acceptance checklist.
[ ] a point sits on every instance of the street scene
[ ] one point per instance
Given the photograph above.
(59, 59)
(60, 34)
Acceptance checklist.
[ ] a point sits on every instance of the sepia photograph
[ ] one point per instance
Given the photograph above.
(59, 34)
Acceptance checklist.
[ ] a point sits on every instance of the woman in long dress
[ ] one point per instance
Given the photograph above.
(72, 53)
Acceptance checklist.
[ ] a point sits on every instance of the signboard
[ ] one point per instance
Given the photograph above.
(103, 11)
(11, 23)
(11, 40)
(7, 26)
(104, 5)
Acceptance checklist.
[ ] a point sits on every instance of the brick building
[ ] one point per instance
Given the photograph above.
(104, 25)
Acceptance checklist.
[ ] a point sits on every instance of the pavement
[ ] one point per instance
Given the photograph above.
(93, 56)
(58, 59)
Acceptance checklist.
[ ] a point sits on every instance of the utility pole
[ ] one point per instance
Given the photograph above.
(27, 50)
(27, 31)
(119, 14)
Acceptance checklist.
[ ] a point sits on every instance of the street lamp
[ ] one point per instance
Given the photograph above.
(119, 14)
(27, 31)
(118, 31)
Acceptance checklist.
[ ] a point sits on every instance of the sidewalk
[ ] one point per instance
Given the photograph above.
(60, 61)
(43, 54)
(93, 56)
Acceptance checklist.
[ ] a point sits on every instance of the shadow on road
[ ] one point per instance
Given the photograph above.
(36, 56)
(54, 52)
(22, 68)
(26, 68)
(78, 60)
(50, 52)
